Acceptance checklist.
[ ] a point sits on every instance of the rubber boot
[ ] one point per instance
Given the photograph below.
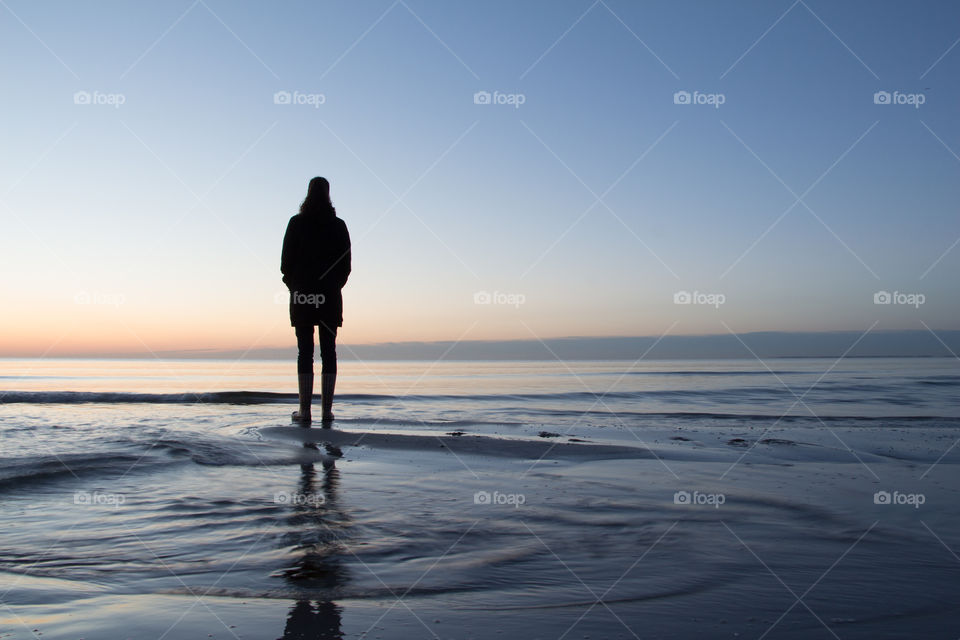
(305, 384)
(327, 383)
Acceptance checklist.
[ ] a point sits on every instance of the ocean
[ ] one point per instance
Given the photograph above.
(724, 498)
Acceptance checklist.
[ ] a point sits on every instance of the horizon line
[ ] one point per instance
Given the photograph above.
(752, 344)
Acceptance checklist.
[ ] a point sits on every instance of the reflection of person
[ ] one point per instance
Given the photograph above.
(306, 622)
(316, 524)
(315, 266)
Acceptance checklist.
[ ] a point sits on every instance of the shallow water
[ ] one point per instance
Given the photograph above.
(138, 491)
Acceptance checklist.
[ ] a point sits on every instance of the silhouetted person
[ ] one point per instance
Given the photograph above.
(315, 266)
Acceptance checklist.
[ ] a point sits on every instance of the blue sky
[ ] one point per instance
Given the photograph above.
(157, 223)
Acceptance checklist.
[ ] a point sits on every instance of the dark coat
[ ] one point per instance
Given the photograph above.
(315, 266)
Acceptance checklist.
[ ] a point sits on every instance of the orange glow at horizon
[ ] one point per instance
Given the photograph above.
(114, 330)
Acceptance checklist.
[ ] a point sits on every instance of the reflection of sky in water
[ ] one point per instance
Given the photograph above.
(145, 499)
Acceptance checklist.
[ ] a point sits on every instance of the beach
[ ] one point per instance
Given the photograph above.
(482, 500)
(540, 320)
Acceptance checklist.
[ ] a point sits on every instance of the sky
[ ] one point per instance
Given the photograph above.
(508, 170)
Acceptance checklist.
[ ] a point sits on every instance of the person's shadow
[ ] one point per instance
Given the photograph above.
(318, 575)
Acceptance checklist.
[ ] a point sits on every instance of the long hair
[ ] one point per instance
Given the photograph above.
(318, 198)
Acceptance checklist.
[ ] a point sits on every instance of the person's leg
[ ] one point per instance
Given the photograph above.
(304, 372)
(327, 336)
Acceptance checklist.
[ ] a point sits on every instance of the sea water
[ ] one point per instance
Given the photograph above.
(734, 486)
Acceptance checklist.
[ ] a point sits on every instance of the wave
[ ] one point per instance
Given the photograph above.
(756, 372)
(36, 468)
(138, 457)
(952, 421)
(119, 397)
(844, 393)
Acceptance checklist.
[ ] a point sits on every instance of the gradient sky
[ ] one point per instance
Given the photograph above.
(157, 224)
